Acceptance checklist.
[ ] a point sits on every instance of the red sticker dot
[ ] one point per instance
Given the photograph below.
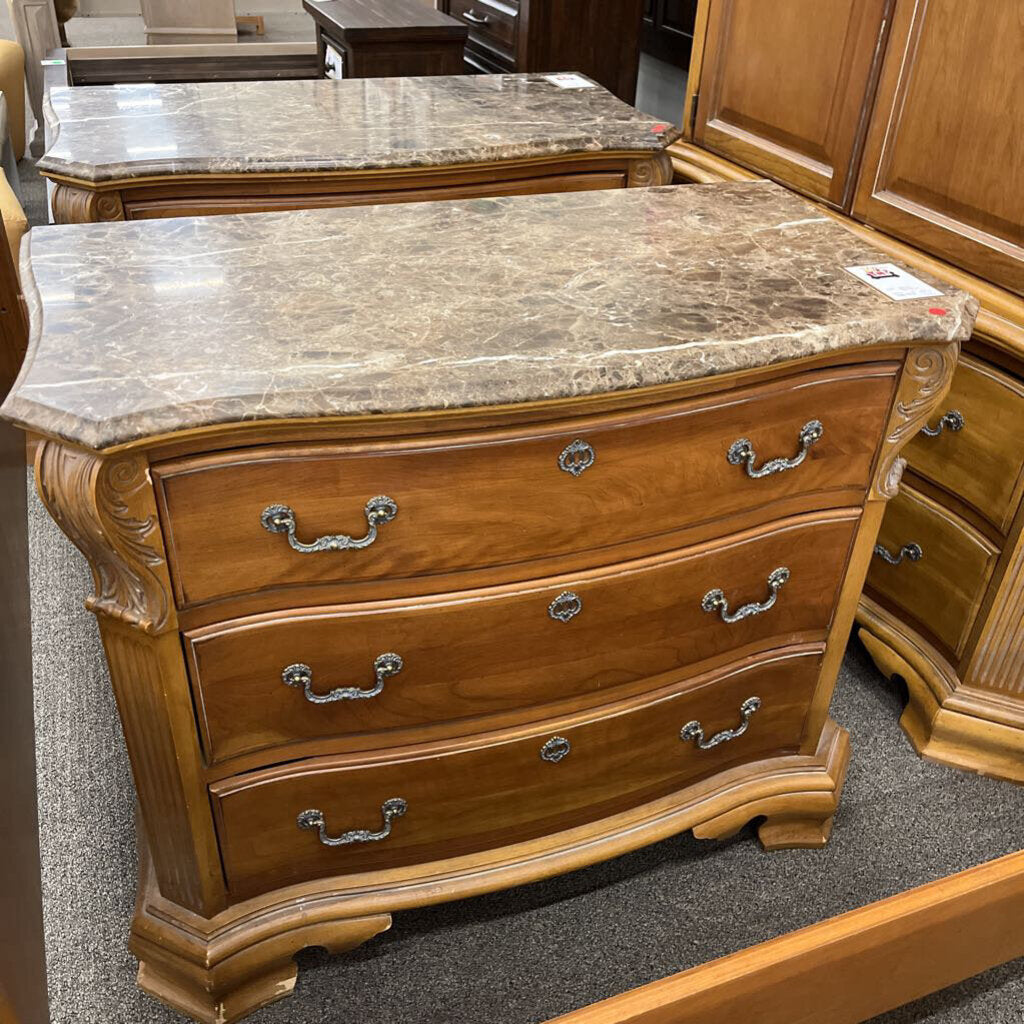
(938, 311)
(659, 127)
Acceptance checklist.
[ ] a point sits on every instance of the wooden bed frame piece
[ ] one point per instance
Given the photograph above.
(849, 968)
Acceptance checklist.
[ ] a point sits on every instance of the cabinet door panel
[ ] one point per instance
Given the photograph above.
(787, 87)
(944, 160)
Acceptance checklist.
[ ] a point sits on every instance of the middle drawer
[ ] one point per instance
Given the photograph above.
(291, 677)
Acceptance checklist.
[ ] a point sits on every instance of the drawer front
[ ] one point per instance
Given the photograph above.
(944, 566)
(466, 656)
(979, 453)
(488, 500)
(492, 23)
(504, 791)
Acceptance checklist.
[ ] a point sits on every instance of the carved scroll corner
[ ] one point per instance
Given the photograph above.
(927, 374)
(107, 509)
(73, 205)
(655, 170)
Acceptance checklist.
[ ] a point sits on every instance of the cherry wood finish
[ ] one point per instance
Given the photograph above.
(624, 496)
(491, 793)
(800, 121)
(600, 40)
(939, 170)
(942, 164)
(478, 653)
(388, 38)
(840, 971)
(232, 887)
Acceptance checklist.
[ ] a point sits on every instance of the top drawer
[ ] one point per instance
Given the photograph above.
(503, 498)
(978, 454)
(491, 22)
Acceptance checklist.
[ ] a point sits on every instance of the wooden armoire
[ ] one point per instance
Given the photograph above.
(905, 119)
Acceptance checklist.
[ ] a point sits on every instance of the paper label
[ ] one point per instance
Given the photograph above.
(567, 80)
(53, 63)
(893, 281)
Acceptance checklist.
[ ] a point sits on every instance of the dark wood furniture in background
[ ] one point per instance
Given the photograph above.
(668, 30)
(891, 120)
(388, 38)
(601, 40)
(208, 62)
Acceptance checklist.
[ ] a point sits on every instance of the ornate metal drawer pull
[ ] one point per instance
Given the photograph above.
(566, 606)
(555, 749)
(576, 457)
(952, 420)
(695, 731)
(911, 552)
(742, 451)
(390, 809)
(281, 519)
(384, 666)
(714, 600)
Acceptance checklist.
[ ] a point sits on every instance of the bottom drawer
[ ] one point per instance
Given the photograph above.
(504, 788)
(942, 566)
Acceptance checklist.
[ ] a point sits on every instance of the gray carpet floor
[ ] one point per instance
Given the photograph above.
(513, 957)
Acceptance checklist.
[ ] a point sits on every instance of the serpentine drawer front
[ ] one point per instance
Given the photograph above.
(445, 506)
(463, 656)
(974, 444)
(942, 566)
(508, 788)
(407, 602)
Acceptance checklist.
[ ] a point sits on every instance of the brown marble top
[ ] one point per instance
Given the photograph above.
(112, 132)
(146, 328)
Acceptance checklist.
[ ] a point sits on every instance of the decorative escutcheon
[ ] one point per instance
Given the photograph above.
(576, 457)
(742, 451)
(952, 420)
(384, 666)
(555, 749)
(281, 519)
(694, 731)
(715, 600)
(912, 552)
(566, 606)
(390, 809)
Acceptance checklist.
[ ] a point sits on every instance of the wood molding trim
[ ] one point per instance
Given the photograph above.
(849, 968)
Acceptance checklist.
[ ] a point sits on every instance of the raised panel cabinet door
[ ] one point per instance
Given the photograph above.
(787, 88)
(943, 165)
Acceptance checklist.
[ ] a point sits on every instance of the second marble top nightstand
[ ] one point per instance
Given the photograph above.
(238, 147)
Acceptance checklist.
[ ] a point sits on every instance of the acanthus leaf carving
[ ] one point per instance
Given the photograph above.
(926, 378)
(107, 508)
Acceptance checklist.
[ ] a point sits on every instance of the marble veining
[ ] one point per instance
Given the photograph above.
(146, 328)
(106, 133)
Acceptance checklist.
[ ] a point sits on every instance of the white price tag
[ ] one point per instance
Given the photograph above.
(893, 281)
(568, 80)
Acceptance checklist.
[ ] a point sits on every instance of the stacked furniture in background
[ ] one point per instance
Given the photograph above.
(601, 40)
(891, 121)
(189, 21)
(387, 39)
